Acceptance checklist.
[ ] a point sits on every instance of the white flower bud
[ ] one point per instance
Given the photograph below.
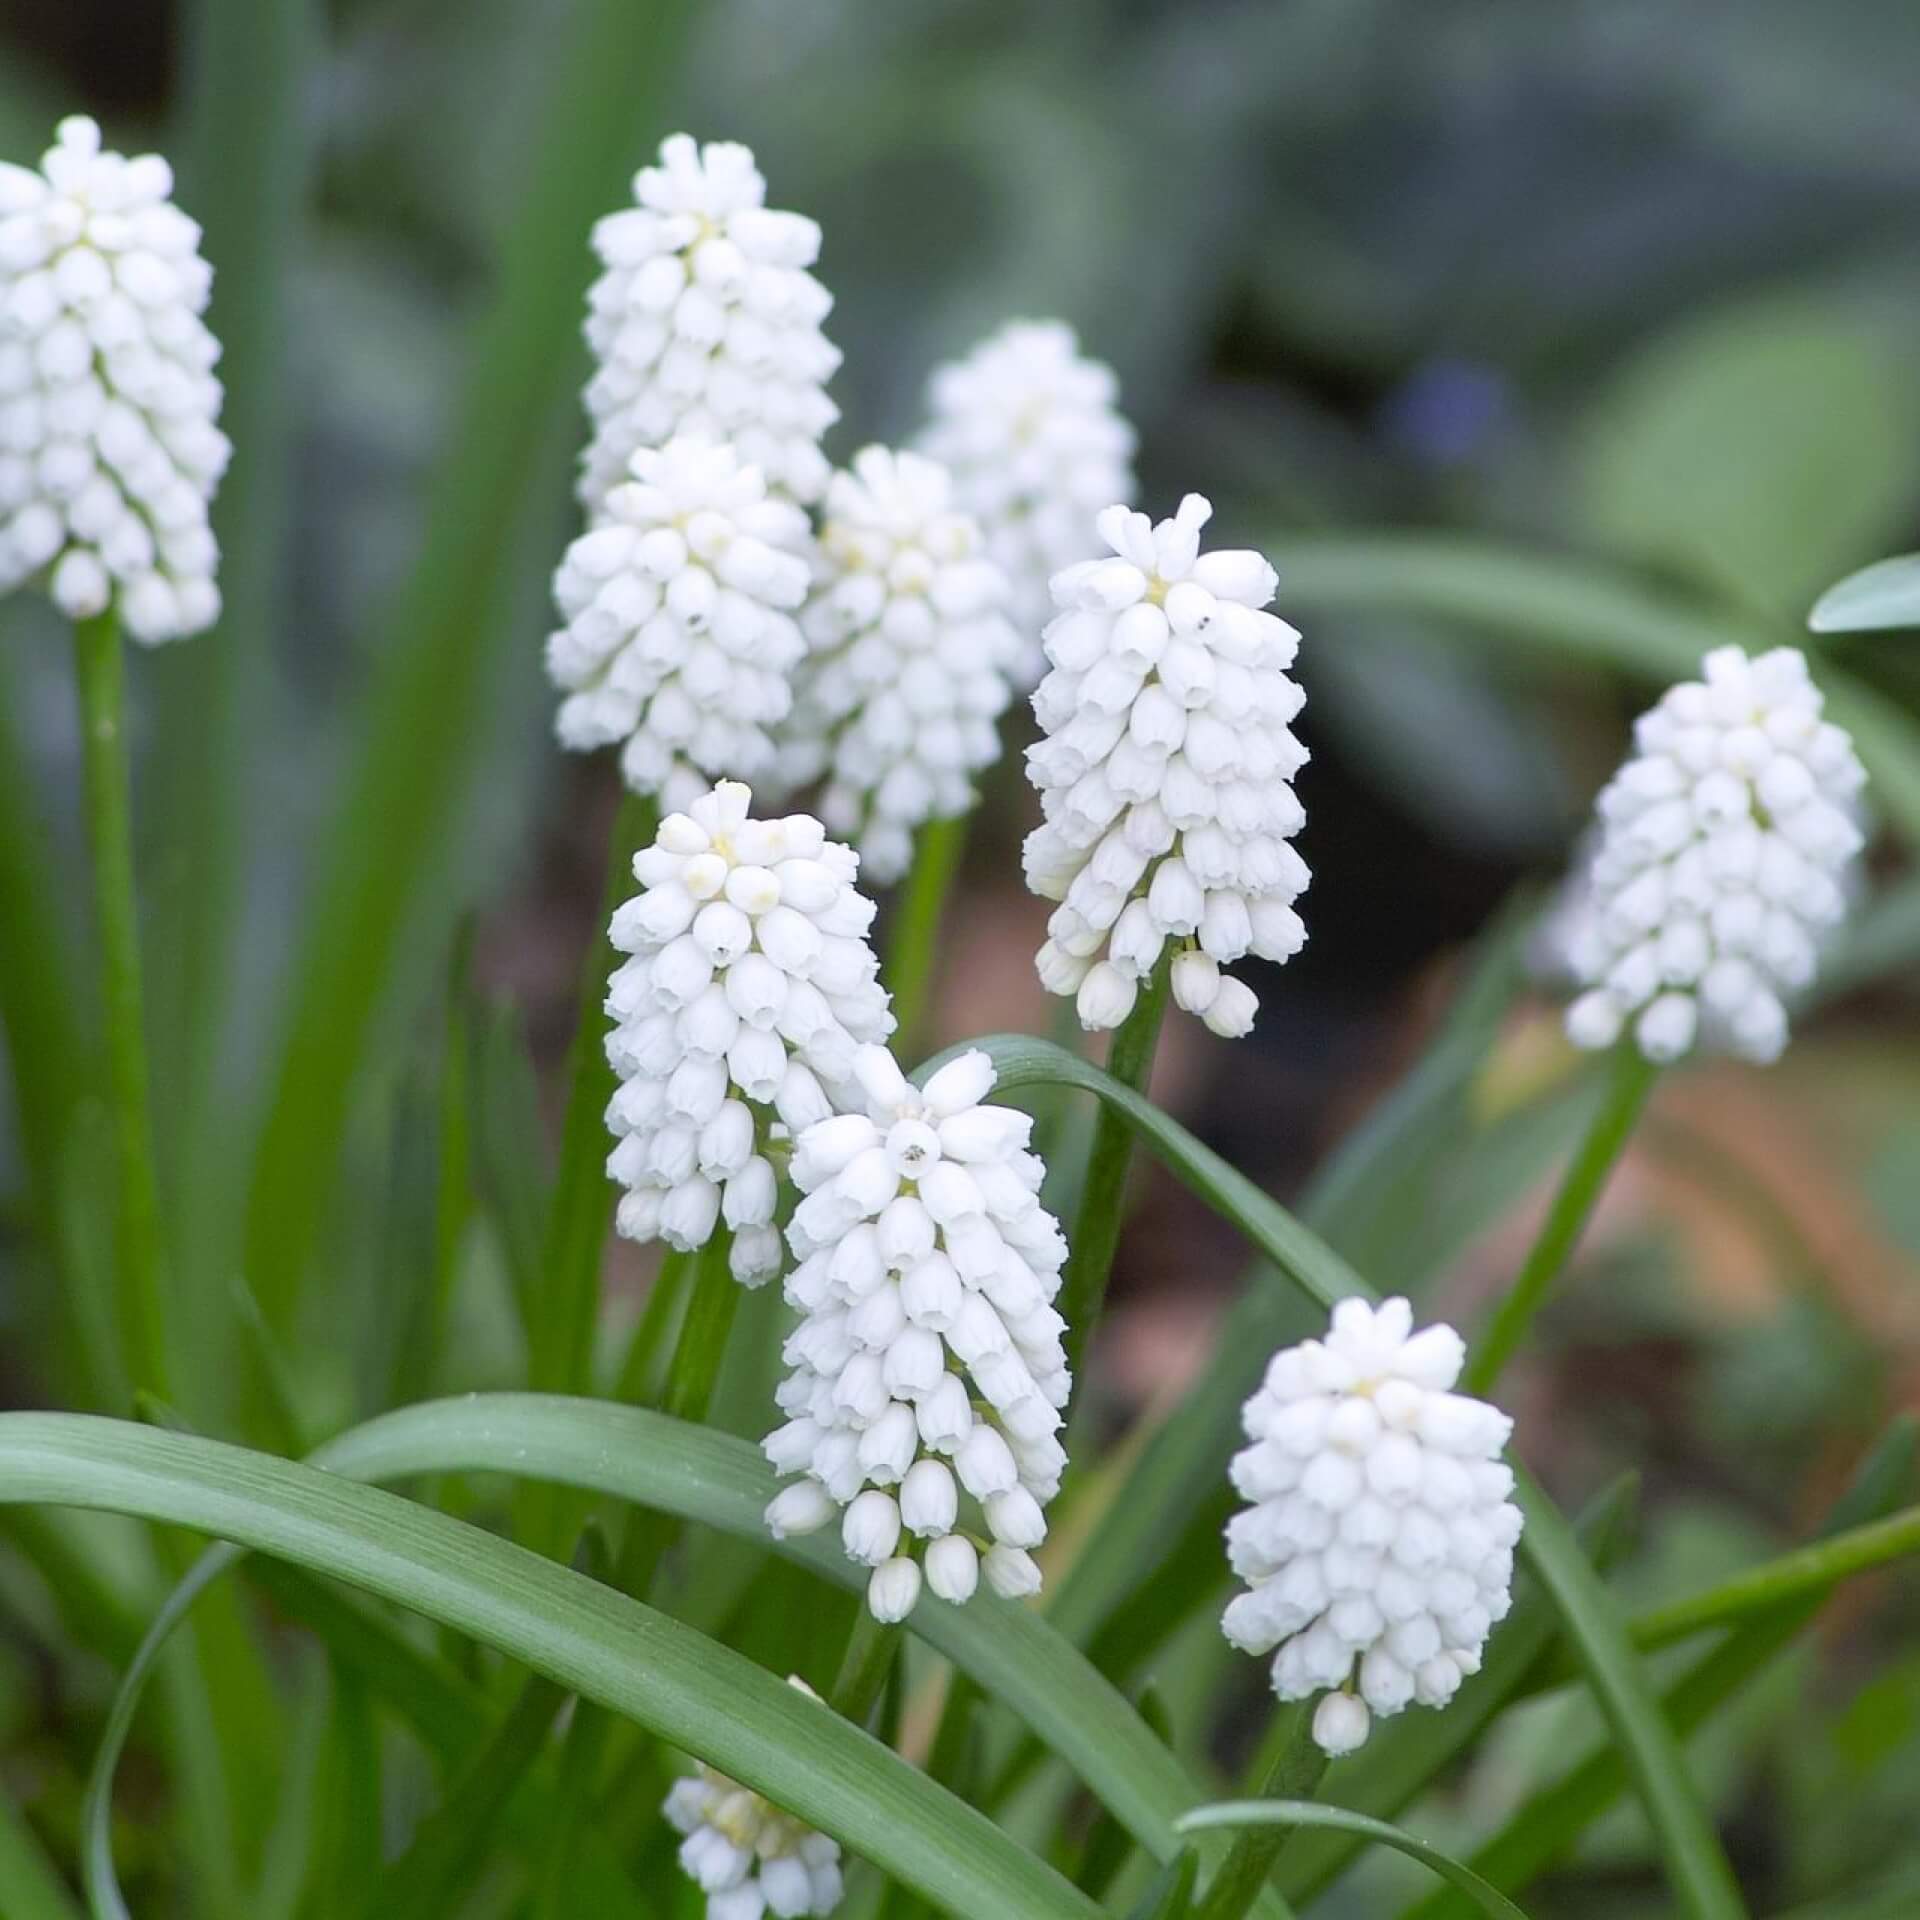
(1377, 1548)
(705, 319)
(1030, 431)
(927, 1332)
(1164, 777)
(696, 1083)
(750, 1858)
(1718, 865)
(1012, 1573)
(109, 448)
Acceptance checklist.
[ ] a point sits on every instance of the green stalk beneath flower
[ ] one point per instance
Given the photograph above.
(864, 1667)
(1096, 1227)
(1606, 1137)
(583, 1195)
(1288, 1767)
(140, 1265)
(913, 940)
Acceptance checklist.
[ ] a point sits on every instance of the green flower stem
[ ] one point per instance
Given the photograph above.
(913, 940)
(100, 672)
(1288, 1767)
(1626, 1094)
(692, 1374)
(1096, 1229)
(582, 1197)
(871, 1648)
(666, 1299)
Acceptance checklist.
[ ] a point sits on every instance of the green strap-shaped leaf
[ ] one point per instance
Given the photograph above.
(30, 1889)
(1884, 595)
(589, 1639)
(1311, 1813)
(653, 1460)
(1697, 1865)
(1559, 610)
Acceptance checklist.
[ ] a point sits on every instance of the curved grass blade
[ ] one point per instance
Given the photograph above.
(1695, 1862)
(1548, 1824)
(1566, 610)
(1877, 598)
(684, 1688)
(388, 844)
(1310, 1813)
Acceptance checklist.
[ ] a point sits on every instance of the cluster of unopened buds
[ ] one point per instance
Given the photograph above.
(110, 448)
(749, 990)
(1721, 863)
(1378, 1545)
(1165, 775)
(928, 1362)
(745, 1854)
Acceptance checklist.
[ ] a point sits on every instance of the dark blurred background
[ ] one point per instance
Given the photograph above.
(1622, 279)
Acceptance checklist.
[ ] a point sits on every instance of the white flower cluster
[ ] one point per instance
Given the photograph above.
(707, 321)
(745, 1854)
(680, 637)
(750, 989)
(1164, 775)
(109, 447)
(1723, 852)
(910, 652)
(1032, 433)
(1381, 1531)
(928, 1361)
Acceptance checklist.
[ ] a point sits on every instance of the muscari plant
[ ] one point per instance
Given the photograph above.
(924, 1516)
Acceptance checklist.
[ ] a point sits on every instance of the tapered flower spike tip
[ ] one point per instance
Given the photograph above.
(705, 320)
(1378, 1543)
(1720, 866)
(909, 656)
(749, 1857)
(749, 988)
(110, 448)
(1031, 431)
(1165, 775)
(928, 1368)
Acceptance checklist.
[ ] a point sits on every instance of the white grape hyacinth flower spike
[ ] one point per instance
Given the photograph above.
(749, 1857)
(1722, 863)
(928, 1368)
(1166, 773)
(1378, 1545)
(1031, 430)
(110, 444)
(749, 990)
(909, 659)
(706, 320)
(680, 641)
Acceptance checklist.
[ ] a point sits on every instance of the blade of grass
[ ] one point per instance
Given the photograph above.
(1408, 1753)
(1293, 1776)
(1288, 1814)
(403, 796)
(51, 1068)
(30, 1887)
(245, 152)
(1548, 1824)
(1566, 610)
(700, 1696)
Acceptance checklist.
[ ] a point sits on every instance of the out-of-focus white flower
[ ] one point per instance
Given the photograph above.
(736, 1020)
(1032, 433)
(1721, 864)
(909, 654)
(927, 1366)
(1165, 773)
(707, 321)
(110, 448)
(745, 1854)
(680, 639)
(1378, 1549)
